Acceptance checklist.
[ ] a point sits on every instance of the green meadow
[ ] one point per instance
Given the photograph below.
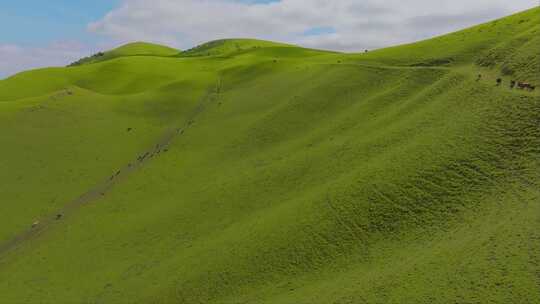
(247, 171)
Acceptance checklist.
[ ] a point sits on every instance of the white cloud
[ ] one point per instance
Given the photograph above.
(358, 24)
(16, 58)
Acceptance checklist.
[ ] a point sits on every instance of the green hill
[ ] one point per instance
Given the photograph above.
(228, 47)
(509, 44)
(245, 171)
(130, 49)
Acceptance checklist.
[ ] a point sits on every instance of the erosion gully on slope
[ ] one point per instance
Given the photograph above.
(102, 188)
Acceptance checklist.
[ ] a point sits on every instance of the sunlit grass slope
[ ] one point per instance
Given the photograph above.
(227, 47)
(509, 44)
(131, 49)
(293, 175)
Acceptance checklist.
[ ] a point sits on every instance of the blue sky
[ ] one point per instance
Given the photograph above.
(34, 22)
(37, 33)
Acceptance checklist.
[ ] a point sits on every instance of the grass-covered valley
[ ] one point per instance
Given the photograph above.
(247, 171)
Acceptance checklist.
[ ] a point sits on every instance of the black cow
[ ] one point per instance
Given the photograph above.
(526, 86)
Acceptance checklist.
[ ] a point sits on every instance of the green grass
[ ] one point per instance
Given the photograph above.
(130, 49)
(300, 176)
(229, 47)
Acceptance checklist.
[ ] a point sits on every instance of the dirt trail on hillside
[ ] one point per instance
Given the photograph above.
(101, 189)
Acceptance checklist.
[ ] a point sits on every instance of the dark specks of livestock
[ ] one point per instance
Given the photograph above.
(129, 129)
(479, 77)
(526, 86)
(499, 81)
(59, 216)
(512, 84)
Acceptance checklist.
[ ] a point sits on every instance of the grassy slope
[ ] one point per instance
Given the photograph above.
(131, 49)
(228, 47)
(308, 177)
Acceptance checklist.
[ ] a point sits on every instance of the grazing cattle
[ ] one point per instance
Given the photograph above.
(59, 216)
(479, 77)
(523, 85)
(512, 84)
(499, 81)
(526, 86)
(129, 129)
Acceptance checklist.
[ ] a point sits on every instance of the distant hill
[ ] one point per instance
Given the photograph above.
(226, 47)
(131, 49)
(247, 171)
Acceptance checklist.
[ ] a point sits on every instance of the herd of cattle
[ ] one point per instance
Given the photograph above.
(513, 84)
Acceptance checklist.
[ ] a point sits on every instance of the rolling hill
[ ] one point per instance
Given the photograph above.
(130, 49)
(245, 171)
